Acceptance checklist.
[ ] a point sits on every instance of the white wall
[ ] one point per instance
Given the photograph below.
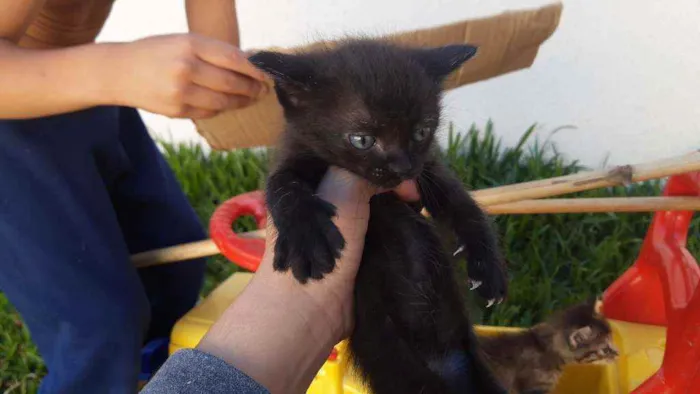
(625, 73)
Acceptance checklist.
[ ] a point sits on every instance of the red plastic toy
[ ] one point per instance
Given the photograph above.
(660, 288)
(245, 252)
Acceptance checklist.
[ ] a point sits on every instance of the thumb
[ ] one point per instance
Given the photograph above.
(341, 187)
(350, 194)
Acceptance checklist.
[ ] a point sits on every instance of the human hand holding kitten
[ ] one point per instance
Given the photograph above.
(279, 331)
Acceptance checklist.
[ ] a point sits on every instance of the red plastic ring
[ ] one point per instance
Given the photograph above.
(244, 252)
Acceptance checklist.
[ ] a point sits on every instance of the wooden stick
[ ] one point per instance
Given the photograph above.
(182, 252)
(562, 205)
(589, 180)
(583, 205)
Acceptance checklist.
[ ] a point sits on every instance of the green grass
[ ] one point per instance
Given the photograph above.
(554, 260)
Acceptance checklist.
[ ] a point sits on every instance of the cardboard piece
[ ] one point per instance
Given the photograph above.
(507, 42)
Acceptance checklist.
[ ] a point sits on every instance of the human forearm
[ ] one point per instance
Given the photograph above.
(48, 82)
(215, 19)
(270, 335)
(177, 75)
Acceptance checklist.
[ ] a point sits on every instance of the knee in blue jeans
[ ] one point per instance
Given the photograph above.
(98, 351)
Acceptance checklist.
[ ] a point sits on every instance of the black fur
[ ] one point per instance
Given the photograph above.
(409, 313)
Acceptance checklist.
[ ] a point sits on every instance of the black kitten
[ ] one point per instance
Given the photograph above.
(373, 109)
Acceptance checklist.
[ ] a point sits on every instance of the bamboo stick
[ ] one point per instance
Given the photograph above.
(592, 205)
(562, 205)
(589, 180)
(182, 252)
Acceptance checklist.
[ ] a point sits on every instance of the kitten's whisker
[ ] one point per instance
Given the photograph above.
(430, 195)
(431, 175)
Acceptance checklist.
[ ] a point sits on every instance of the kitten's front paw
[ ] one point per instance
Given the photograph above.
(308, 241)
(487, 275)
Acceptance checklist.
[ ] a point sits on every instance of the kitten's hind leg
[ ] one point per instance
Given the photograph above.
(411, 334)
(448, 202)
(384, 361)
(413, 354)
(308, 241)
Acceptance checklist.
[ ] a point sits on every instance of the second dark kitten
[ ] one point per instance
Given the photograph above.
(373, 109)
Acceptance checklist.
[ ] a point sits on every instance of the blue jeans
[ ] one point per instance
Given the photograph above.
(79, 193)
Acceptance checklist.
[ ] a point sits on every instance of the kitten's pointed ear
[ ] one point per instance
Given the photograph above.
(594, 305)
(293, 75)
(442, 61)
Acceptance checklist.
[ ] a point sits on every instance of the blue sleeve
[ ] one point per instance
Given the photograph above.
(192, 371)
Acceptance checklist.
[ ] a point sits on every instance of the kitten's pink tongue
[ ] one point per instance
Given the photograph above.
(408, 190)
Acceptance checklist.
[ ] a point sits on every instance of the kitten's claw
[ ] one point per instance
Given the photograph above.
(474, 284)
(494, 301)
(485, 264)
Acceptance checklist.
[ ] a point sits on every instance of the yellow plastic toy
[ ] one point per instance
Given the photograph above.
(641, 348)
(655, 296)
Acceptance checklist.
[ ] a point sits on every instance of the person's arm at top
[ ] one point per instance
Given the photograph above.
(189, 76)
(214, 18)
(218, 19)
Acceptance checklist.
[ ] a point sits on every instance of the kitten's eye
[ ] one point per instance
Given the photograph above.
(361, 141)
(421, 134)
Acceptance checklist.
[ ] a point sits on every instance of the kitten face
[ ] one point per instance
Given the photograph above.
(590, 344)
(365, 106)
(385, 148)
(588, 335)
